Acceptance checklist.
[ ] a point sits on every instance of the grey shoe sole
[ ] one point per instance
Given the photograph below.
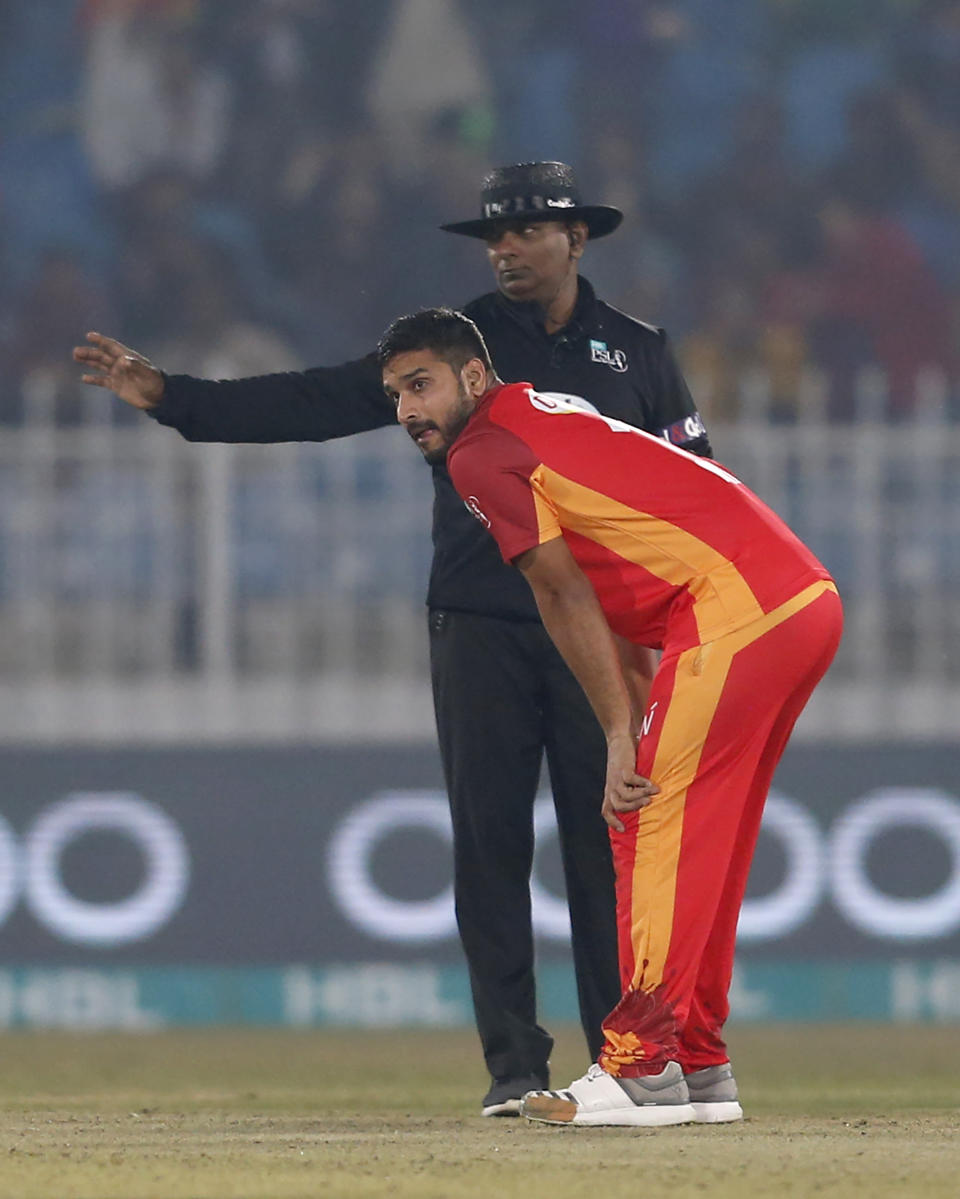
(717, 1113)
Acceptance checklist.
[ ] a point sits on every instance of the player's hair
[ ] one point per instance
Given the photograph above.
(449, 334)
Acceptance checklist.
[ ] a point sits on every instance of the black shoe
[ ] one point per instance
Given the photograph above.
(503, 1098)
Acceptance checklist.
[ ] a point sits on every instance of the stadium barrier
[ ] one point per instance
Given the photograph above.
(157, 590)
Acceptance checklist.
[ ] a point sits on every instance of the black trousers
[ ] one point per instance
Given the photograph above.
(503, 696)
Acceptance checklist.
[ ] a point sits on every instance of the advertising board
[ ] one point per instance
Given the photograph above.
(327, 870)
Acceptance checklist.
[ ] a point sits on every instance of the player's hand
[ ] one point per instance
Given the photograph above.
(129, 375)
(625, 790)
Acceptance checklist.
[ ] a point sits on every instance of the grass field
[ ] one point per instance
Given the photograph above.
(832, 1112)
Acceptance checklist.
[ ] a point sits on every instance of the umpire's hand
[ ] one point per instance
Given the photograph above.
(130, 376)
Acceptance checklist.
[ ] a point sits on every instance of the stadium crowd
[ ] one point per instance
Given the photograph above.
(251, 185)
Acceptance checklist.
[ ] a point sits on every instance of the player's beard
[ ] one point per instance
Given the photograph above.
(453, 426)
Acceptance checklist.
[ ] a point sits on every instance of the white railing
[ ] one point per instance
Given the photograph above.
(154, 590)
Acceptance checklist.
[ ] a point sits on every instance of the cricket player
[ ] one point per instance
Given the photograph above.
(627, 543)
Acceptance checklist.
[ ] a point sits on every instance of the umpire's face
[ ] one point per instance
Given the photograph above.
(533, 259)
(433, 401)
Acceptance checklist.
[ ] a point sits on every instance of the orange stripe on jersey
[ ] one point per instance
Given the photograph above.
(722, 599)
(548, 527)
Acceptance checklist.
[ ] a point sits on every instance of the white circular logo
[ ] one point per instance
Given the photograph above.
(855, 895)
(350, 855)
(140, 914)
(349, 859)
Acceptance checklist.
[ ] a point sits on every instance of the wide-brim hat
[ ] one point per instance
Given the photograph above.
(536, 191)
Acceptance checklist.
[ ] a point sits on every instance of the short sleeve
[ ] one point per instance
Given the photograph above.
(501, 492)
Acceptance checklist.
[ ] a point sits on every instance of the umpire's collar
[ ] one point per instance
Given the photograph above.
(529, 315)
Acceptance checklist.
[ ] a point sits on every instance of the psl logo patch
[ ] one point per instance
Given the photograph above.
(615, 359)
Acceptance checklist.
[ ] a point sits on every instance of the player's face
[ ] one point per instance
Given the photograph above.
(532, 259)
(433, 402)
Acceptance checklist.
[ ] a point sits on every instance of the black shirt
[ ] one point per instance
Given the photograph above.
(622, 366)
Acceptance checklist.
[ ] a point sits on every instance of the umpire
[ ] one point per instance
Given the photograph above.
(502, 694)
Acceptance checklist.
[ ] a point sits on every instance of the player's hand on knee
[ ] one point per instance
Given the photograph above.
(625, 790)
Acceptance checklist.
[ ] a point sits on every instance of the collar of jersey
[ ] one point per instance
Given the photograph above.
(528, 314)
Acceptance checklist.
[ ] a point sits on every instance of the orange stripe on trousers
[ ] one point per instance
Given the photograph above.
(701, 673)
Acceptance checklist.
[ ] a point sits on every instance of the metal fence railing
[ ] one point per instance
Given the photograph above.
(151, 589)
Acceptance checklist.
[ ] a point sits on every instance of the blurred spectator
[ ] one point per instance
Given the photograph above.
(877, 301)
(744, 224)
(714, 64)
(819, 81)
(428, 63)
(928, 59)
(937, 150)
(314, 147)
(47, 190)
(213, 336)
(158, 223)
(880, 152)
(534, 58)
(328, 240)
(735, 338)
(647, 272)
(162, 224)
(741, 219)
(150, 99)
(304, 66)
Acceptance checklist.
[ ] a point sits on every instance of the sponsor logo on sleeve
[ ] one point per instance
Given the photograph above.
(682, 431)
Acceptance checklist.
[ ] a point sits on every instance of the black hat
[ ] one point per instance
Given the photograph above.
(536, 191)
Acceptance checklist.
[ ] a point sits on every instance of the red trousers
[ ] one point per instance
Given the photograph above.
(717, 722)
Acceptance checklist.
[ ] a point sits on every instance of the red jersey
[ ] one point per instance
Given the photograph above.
(678, 550)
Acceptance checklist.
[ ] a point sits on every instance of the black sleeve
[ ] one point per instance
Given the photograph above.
(675, 413)
(312, 405)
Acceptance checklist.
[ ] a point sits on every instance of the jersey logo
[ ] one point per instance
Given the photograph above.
(472, 504)
(560, 401)
(615, 359)
(648, 719)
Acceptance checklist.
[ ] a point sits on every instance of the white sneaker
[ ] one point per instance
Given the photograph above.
(599, 1098)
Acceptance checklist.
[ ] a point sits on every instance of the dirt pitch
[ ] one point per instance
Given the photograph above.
(840, 1112)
